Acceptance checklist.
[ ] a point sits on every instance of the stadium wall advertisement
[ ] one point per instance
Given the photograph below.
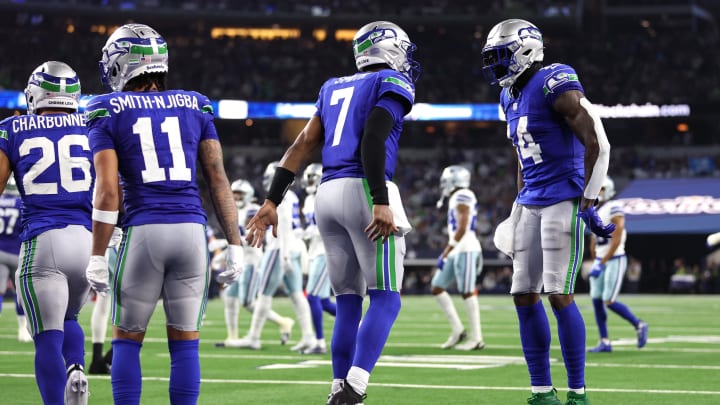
(672, 206)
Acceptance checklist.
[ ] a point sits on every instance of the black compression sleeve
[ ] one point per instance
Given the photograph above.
(282, 179)
(372, 150)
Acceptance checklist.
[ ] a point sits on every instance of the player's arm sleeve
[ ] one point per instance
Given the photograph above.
(98, 122)
(207, 115)
(378, 126)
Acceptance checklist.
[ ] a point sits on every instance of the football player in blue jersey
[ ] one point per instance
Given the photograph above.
(608, 271)
(460, 260)
(318, 284)
(10, 220)
(358, 209)
(48, 153)
(281, 263)
(563, 156)
(149, 139)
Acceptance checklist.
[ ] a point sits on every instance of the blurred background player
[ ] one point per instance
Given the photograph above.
(152, 138)
(10, 215)
(244, 291)
(608, 270)
(101, 361)
(563, 156)
(48, 153)
(359, 212)
(318, 284)
(461, 259)
(281, 263)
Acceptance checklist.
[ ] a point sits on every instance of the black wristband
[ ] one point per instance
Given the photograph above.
(380, 195)
(282, 179)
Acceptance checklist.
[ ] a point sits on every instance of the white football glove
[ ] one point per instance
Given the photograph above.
(233, 265)
(98, 275)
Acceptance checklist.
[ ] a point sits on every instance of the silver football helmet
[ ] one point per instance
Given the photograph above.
(243, 192)
(607, 190)
(311, 177)
(453, 177)
(11, 187)
(511, 47)
(132, 50)
(269, 173)
(383, 42)
(52, 85)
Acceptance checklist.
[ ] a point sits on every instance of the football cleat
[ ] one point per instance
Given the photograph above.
(285, 325)
(642, 331)
(601, 348)
(544, 398)
(471, 345)
(99, 367)
(303, 345)
(454, 339)
(315, 350)
(346, 396)
(76, 387)
(577, 399)
(244, 343)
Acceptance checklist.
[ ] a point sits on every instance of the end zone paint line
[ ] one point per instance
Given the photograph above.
(391, 385)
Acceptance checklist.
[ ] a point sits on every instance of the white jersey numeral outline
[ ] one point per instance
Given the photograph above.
(153, 172)
(344, 94)
(66, 164)
(7, 226)
(527, 147)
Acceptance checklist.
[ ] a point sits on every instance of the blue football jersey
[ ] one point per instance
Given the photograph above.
(550, 154)
(52, 164)
(343, 106)
(156, 136)
(10, 225)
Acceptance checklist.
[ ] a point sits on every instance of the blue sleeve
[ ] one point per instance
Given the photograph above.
(318, 103)
(98, 121)
(397, 84)
(208, 114)
(560, 79)
(393, 106)
(4, 140)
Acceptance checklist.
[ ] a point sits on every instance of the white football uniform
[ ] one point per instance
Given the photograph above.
(607, 287)
(607, 212)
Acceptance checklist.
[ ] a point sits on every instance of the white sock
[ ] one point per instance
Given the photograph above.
(302, 312)
(274, 317)
(605, 340)
(577, 390)
(232, 308)
(445, 302)
(473, 312)
(99, 319)
(358, 379)
(321, 343)
(260, 313)
(541, 389)
(22, 321)
(337, 385)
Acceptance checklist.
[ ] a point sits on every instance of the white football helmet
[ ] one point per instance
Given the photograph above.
(243, 192)
(511, 47)
(11, 187)
(607, 190)
(311, 177)
(52, 85)
(382, 42)
(132, 50)
(453, 177)
(269, 173)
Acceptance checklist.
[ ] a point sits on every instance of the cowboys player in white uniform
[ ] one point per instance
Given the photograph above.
(461, 259)
(608, 271)
(281, 263)
(318, 284)
(244, 290)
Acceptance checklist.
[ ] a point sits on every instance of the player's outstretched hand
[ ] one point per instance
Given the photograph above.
(265, 218)
(593, 221)
(441, 261)
(382, 224)
(98, 275)
(233, 265)
(597, 269)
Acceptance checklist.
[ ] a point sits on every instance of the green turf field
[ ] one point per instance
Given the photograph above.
(680, 364)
